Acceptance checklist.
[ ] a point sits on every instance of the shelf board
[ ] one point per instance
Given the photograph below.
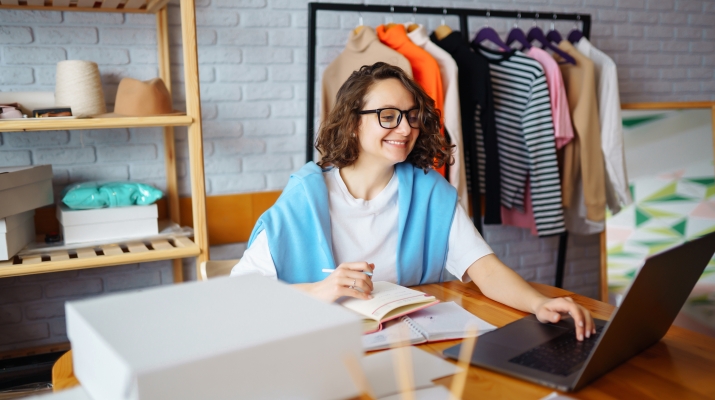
(122, 6)
(128, 252)
(49, 124)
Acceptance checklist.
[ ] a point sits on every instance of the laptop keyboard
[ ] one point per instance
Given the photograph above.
(561, 355)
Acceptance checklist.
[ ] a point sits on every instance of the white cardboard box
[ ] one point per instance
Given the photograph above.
(24, 189)
(244, 337)
(107, 223)
(16, 231)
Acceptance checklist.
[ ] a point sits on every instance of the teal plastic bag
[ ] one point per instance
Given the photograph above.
(91, 195)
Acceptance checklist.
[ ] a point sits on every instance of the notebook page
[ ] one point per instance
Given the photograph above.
(445, 321)
(390, 336)
(380, 370)
(386, 297)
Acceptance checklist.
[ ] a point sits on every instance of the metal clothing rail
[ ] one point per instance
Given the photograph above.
(463, 14)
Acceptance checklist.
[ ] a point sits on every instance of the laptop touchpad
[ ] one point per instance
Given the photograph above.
(524, 334)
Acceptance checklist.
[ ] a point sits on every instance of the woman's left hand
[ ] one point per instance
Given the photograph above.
(551, 310)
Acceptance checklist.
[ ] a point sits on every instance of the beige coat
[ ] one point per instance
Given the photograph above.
(363, 48)
(583, 158)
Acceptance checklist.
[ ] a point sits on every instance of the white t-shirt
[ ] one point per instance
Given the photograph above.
(366, 230)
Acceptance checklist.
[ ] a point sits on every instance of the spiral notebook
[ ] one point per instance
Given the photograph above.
(443, 321)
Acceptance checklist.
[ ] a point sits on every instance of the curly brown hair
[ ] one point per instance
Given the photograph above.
(339, 147)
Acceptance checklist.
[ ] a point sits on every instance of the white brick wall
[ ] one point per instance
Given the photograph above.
(252, 56)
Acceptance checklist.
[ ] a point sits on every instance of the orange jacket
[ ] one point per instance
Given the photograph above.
(425, 69)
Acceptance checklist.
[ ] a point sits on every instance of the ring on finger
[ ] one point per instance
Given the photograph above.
(353, 285)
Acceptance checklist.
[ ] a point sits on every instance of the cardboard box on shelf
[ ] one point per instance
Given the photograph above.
(16, 231)
(24, 189)
(246, 337)
(107, 223)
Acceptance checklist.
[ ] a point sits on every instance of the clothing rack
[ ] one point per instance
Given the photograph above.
(463, 14)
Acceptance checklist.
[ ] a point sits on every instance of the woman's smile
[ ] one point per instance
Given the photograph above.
(398, 143)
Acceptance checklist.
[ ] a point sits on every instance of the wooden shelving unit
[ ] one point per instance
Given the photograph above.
(47, 124)
(126, 252)
(128, 6)
(135, 251)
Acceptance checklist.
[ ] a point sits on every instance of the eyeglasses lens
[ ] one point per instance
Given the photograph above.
(390, 118)
(413, 118)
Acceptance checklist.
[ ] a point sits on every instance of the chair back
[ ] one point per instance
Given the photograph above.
(213, 268)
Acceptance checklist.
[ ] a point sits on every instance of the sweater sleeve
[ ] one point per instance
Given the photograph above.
(592, 166)
(612, 135)
(538, 127)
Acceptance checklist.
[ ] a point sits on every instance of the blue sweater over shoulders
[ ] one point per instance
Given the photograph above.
(298, 226)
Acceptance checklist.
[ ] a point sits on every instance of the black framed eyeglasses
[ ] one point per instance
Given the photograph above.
(390, 118)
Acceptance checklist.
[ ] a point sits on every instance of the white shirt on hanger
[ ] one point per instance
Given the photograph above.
(366, 230)
(451, 113)
(609, 110)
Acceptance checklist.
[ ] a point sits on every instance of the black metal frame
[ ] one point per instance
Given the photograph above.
(463, 14)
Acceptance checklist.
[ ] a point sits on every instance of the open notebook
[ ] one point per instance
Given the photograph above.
(444, 321)
(390, 301)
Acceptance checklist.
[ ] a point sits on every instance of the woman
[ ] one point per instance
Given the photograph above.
(378, 207)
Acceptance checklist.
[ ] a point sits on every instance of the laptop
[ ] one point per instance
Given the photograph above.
(550, 355)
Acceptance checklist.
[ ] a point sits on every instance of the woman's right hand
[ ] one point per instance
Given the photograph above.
(347, 280)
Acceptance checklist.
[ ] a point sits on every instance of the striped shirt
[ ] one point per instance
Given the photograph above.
(525, 135)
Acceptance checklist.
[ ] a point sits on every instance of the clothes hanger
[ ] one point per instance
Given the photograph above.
(413, 25)
(443, 30)
(535, 33)
(360, 26)
(554, 36)
(391, 22)
(576, 33)
(488, 33)
(518, 35)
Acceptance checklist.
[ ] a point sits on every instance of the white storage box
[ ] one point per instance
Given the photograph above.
(16, 231)
(244, 337)
(24, 189)
(107, 223)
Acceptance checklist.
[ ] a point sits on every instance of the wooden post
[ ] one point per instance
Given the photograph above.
(195, 139)
(172, 189)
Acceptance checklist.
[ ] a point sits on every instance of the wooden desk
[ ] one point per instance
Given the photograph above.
(681, 366)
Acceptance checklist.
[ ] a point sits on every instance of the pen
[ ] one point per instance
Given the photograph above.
(329, 270)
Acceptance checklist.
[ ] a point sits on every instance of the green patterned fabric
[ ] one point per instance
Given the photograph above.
(668, 210)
